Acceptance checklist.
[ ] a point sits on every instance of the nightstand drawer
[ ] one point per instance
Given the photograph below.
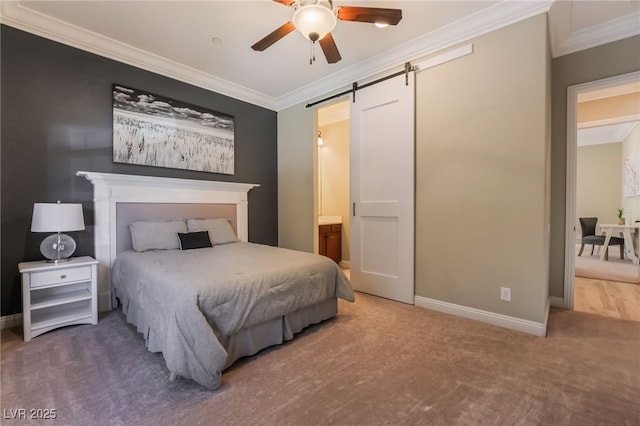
(39, 279)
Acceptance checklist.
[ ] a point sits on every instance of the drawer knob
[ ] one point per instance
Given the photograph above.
(63, 276)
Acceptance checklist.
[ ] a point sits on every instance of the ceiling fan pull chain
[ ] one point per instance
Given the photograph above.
(312, 52)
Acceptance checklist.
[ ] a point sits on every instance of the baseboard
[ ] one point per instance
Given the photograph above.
(505, 321)
(546, 318)
(10, 321)
(345, 264)
(556, 302)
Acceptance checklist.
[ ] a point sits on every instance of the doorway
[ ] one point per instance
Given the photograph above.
(334, 222)
(603, 152)
(381, 187)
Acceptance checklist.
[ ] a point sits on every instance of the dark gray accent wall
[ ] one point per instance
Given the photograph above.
(608, 60)
(56, 119)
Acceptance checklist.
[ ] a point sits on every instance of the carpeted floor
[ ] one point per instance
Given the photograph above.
(378, 362)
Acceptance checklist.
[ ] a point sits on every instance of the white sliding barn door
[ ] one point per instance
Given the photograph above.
(382, 189)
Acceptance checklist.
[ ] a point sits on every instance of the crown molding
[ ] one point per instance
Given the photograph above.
(610, 121)
(613, 133)
(18, 16)
(607, 32)
(490, 19)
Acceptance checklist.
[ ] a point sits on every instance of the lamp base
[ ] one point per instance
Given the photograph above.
(57, 247)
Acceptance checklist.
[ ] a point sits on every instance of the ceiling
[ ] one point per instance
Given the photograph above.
(207, 43)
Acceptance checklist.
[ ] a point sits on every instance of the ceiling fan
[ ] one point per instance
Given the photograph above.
(315, 19)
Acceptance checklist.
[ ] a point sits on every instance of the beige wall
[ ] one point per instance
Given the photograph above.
(296, 153)
(620, 57)
(481, 185)
(598, 182)
(297, 174)
(334, 178)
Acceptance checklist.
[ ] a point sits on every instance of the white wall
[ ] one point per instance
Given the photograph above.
(630, 151)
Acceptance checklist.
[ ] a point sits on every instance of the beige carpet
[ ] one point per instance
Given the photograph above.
(614, 269)
(378, 363)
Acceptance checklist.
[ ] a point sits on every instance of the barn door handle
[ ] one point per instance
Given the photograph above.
(354, 209)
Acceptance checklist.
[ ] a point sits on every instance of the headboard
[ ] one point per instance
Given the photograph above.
(119, 199)
(131, 212)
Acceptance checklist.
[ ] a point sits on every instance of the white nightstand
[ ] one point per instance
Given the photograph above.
(55, 295)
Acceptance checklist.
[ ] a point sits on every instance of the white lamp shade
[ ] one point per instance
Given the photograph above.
(57, 217)
(314, 18)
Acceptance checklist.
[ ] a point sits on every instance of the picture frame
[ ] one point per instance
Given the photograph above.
(153, 130)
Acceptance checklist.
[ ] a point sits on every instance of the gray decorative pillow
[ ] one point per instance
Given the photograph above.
(220, 230)
(157, 234)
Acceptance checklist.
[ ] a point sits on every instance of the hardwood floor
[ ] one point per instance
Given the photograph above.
(608, 298)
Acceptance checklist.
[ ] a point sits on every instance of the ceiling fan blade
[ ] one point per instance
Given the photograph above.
(369, 14)
(274, 36)
(285, 2)
(330, 49)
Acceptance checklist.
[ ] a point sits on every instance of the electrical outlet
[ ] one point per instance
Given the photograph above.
(505, 294)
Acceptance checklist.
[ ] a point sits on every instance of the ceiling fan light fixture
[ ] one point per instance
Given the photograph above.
(381, 24)
(314, 21)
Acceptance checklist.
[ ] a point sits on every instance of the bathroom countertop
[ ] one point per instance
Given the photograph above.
(329, 220)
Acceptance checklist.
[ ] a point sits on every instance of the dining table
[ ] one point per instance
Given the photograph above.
(627, 232)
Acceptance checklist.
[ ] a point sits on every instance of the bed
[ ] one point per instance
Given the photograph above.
(204, 307)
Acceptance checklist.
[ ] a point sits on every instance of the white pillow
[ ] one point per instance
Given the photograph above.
(220, 229)
(157, 234)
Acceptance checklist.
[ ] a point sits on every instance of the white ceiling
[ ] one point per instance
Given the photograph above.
(174, 38)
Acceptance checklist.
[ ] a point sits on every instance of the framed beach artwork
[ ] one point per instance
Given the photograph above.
(152, 130)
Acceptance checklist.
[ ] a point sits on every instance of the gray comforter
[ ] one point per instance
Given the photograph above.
(182, 301)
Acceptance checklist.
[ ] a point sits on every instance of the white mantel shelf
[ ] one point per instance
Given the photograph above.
(113, 179)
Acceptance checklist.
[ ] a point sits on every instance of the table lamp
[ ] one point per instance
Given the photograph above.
(57, 217)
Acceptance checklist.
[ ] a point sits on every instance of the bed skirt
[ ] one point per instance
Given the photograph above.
(247, 341)
(251, 340)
